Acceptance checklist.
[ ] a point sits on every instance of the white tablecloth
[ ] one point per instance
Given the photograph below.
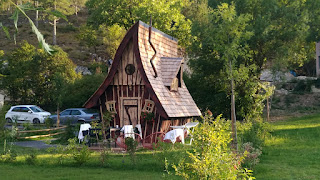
(128, 131)
(173, 134)
(83, 127)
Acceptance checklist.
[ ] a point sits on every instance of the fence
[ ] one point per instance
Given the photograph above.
(49, 132)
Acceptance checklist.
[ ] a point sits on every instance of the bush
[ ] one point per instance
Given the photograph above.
(131, 148)
(48, 122)
(79, 152)
(254, 132)
(31, 159)
(251, 155)
(211, 156)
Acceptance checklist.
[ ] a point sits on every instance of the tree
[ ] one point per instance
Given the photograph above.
(61, 6)
(167, 15)
(78, 4)
(112, 37)
(84, 86)
(88, 37)
(31, 73)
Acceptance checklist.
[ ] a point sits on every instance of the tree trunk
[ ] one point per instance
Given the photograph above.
(233, 113)
(58, 115)
(37, 14)
(54, 34)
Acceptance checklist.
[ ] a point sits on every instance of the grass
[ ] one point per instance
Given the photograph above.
(293, 150)
(118, 166)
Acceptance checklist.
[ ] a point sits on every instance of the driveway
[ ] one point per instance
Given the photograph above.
(34, 144)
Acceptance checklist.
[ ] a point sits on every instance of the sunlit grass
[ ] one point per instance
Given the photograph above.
(292, 152)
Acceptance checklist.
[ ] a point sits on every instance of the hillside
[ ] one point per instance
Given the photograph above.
(66, 37)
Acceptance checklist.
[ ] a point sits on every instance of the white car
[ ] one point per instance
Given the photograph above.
(26, 113)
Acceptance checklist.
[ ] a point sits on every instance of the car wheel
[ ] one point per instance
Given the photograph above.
(36, 121)
(9, 120)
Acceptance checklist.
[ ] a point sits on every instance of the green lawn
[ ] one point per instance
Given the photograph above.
(293, 151)
(119, 166)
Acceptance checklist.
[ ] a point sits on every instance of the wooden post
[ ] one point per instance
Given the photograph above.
(58, 115)
(102, 121)
(268, 109)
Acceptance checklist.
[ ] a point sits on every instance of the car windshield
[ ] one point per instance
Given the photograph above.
(90, 111)
(36, 109)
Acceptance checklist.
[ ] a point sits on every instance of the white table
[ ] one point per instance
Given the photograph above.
(173, 134)
(83, 127)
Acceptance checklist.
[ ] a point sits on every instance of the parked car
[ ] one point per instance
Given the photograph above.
(77, 115)
(26, 113)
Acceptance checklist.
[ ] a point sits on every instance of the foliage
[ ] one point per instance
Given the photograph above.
(88, 37)
(147, 116)
(167, 15)
(104, 156)
(254, 131)
(27, 126)
(48, 122)
(84, 86)
(131, 148)
(31, 159)
(3, 111)
(303, 86)
(69, 132)
(112, 37)
(211, 158)
(98, 68)
(221, 37)
(31, 75)
(251, 155)
(79, 152)
(21, 9)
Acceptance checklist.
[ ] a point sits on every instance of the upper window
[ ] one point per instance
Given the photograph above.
(111, 106)
(148, 106)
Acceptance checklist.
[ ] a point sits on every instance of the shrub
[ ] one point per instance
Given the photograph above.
(27, 126)
(104, 156)
(211, 156)
(131, 148)
(8, 157)
(49, 122)
(254, 132)
(79, 152)
(31, 159)
(251, 155)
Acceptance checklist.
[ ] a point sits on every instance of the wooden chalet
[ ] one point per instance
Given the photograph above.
(146, 76)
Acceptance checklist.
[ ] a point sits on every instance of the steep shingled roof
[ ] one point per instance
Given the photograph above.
(176, 104)
(167, 64)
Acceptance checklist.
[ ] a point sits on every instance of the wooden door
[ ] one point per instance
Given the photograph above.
(130, 111)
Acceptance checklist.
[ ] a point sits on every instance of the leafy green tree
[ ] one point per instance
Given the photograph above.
(30, 75)
(112, 37)
(88, 37)
(221, 37)
(167, 15)
(84, 87)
